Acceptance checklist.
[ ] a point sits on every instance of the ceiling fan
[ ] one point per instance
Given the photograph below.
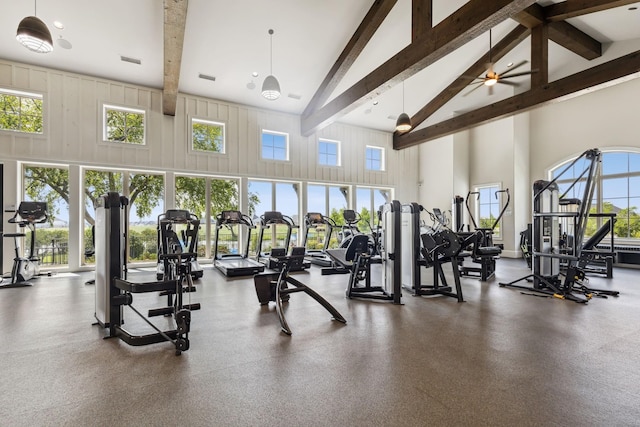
(491, 78)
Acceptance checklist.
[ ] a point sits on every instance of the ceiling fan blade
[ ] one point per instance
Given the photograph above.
(524, 73)
(508, 83)
(478, 85)
(514, 67)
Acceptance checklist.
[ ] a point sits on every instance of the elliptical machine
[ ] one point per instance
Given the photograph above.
(24, 269)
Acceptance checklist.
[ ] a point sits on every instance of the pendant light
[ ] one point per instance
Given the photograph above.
(404, 121)
(34, 34)
(270, 86)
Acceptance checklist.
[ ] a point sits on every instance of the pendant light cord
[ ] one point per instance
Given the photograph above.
(271, 52)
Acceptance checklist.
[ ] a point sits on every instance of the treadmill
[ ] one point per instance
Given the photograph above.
(316, 221)
(235, 264)
(274, 259)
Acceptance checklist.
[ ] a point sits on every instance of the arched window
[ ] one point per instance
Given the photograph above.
(617, 191)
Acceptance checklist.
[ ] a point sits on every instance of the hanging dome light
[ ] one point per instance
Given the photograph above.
(403, 124)
(270, 86)
(34, 35)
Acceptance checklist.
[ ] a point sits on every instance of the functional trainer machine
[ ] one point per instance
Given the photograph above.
(114, 291)
(274, 287)
(24, 269)
(238, 263)
(178, 241)
(357, 259)
(547, 277)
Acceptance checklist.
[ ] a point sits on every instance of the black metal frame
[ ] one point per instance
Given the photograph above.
(274, 287)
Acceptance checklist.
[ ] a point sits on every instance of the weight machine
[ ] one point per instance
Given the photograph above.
(357, 259)
(178, 241)
(547, 276)
(24, 269)
(114, 291)
(482, 251)
(429, 247)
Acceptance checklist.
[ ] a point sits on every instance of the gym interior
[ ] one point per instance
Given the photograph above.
(84, 342)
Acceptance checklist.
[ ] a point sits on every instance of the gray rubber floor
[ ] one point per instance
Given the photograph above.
(500, 358)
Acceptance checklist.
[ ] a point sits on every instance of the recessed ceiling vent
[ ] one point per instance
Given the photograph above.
(295, 96)
(131, 60)
(207, 77)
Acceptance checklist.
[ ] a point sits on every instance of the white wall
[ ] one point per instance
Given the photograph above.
(73, 136)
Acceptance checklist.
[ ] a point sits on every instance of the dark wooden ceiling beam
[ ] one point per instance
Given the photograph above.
(572, 8)
(569, 37)
(607, 74)
(514, 38)
(367, 28)
(562, 33)
(175, 19)
(540, 55)
(472, 19)
(421, 18)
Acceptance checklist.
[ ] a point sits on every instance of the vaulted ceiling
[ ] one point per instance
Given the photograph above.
(359, 61)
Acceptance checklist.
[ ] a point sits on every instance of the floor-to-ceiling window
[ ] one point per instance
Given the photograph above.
(50, 184)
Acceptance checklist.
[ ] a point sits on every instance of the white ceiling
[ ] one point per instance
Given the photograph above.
(230, 40)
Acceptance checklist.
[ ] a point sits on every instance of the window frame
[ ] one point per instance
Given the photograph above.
(223, 125)
(26, 94)
(274, 133)
(338, 156)
(108, 106)
(381, 150)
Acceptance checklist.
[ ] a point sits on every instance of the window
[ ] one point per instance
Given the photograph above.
(368, 203)
(275, 145)
(328, 152)
(51, 185)
(329, 200)
(123, 125)
(145, 192)
(21, 112)
(207, 136)
(192, 195)
(617, 191)
(374, 158)
(488, 206)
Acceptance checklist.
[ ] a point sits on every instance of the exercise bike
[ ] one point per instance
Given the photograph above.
(24, 269)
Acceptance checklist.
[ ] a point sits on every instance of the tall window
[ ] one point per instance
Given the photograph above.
(206, 197)
(207, 136)
(20, 111)
(374, 158)
(368, 202)
(51, 185)
(488, 205)
(145, 192)
(275, 145)
(124, 125)
(275, 196)
(329, 200)
(617, 191)
(328, 152)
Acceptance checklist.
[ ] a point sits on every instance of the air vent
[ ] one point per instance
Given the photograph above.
(207, 77)
(392, 117)
(131, 60)
(295, 96)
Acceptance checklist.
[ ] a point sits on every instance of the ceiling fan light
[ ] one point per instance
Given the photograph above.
(34, 35)
(403, 124)
(271, 88)
(491, 81)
